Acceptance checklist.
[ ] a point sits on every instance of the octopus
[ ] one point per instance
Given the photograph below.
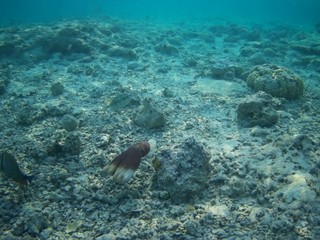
(123, 167)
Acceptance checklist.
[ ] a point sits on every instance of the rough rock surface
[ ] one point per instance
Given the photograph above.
(275, 80)
(69, 123)
(148, 116)
(257, 110)
(65, 143)
(182, 170)
(224, 69)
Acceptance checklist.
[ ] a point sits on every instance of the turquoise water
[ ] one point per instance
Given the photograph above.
(187, 120)
(284, 11)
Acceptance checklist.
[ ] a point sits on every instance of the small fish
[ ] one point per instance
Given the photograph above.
(10, 167)
(124, 166)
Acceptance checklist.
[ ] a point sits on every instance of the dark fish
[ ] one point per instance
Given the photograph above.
(10, 167)
(124, 166)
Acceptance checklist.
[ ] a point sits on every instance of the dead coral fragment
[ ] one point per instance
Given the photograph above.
(124, 166)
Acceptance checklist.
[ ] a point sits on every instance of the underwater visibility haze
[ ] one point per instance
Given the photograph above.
(284, 11)
(160, 119)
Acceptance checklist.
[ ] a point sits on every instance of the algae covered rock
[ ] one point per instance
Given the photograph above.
(123, 100)
(275, 80)
(65, 144)
(236, 187)
(57, 89)
(182, 170)
(221, 70)
(225, 70)
(31, 221)
(26, 113)
(69, 123)
(149, 116)
(67, 40)
(257, 110)
(257, 58)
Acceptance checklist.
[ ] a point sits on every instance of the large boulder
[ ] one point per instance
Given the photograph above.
(275, 80)
(182, 171)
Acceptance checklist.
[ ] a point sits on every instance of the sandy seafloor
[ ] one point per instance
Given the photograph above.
(264, 182)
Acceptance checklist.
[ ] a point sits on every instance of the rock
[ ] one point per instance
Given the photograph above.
(235, 188)
(9, 236)
(122, 52)
(307, 49)
(298, 191)
(303, 143)
(36, 223)
(182, 170)
(282, 225)
(97, 93)
(190, 62)
(167, 49)
(69, 123)
(54, 110)
(314, 64)
(59, 178)
(167, 92)
(67, 41)
(26, 114)
(217, 30)
(7, 49)
(257, 110)
(275, 80)
(136, 66)
(72, 144)
(73, 226)
(232, 38)
(253, 35)
(149, 117)
(259, 132)
(191, 227)
(248, 51)
(225, 70)
(269, 52)
(21, 89)
(257, 58)
(65, 143)
(103, 140)
(31, 222)
(45, 234)
(235, 33)
(57, 89)
(123, 100)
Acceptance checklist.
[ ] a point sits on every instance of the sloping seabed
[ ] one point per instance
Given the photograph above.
(70, 93)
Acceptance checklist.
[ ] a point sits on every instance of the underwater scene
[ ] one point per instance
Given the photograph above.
(148, 119)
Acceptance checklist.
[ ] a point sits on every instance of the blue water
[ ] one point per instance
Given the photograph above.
(292, 12)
